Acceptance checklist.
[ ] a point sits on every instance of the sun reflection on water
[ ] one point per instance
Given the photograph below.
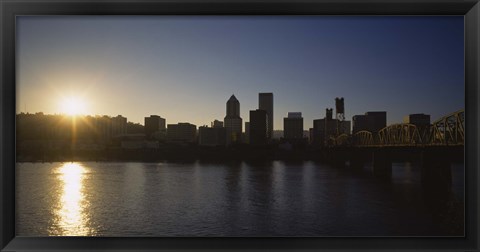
(71, 210)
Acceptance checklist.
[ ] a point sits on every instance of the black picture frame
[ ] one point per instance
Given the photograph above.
(11, 8)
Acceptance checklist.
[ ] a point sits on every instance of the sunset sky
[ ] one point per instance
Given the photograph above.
(185, 68)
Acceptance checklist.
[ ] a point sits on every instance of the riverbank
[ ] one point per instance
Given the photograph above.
(234, 153)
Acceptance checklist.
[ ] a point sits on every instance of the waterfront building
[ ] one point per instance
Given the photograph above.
(103, 126)
(360, 122)
(258, 127)
(265, 102)
(214, 136)
(154, 125)
(233, 121)
(327, 128)
(293, 126)
(137, 141)
(119, 126)
(322, 130)
(372, 121)
(417, 119)
(181, 133)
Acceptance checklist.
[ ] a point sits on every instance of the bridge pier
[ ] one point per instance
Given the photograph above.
(382, 163)
(436, 172)
(335, 157)
(339, 158)
(358, 159)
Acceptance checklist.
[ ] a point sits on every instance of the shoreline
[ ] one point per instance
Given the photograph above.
(221, 154)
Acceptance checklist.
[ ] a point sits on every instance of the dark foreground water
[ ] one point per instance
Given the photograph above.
(238, 199)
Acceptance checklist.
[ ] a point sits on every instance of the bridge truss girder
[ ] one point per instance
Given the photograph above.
(449, 130)
(342, 139)
(363, 138)
(399, 134)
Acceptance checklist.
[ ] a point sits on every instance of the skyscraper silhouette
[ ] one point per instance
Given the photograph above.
(265, 102)
(233, 121)
(293, 126)
(258, 126)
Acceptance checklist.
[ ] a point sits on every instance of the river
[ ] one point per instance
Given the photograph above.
(226, 199)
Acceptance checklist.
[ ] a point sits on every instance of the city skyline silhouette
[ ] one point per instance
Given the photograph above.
(210, 121)
(185, 68)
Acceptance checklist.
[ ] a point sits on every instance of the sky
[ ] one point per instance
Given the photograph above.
(185, 68)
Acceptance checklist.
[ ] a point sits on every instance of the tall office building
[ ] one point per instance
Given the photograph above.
(293, 126)
(360, 122)
(232, 121)
(265, 102)
(258, 126)
(421, 121)
(371, 121)
(417, 119)
(154, 124)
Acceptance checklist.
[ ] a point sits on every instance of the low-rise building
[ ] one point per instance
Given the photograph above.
(217, 124)
(136, 141)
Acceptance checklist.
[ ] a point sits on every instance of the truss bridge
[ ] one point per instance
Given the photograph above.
(446, 131)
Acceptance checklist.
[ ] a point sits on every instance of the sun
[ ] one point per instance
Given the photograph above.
(73, 106)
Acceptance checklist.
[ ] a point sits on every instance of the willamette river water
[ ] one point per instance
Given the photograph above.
(237, 199)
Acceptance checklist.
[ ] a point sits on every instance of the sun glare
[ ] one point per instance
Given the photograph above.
(73, 106)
